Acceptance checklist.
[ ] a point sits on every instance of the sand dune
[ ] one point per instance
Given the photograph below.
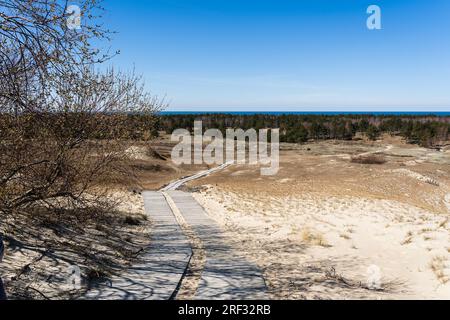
(326, 229)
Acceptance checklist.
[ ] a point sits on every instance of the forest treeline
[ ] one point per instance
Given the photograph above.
(427, 131)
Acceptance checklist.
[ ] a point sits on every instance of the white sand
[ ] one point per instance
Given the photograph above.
(296, 239)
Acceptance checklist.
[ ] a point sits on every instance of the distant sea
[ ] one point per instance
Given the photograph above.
(277, 113)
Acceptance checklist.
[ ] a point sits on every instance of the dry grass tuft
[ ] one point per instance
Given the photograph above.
(437, 264)
(314, 238)
(408, 239)
(345, 236)
(432, 182)
(443, 224)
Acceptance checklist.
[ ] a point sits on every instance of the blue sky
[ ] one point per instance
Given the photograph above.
(312, 55)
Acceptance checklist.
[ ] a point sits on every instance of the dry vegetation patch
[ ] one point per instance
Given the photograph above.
(369, 159)
(43, 243)
(439, 265)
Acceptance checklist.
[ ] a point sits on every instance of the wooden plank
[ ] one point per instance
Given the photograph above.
(226, 274)
(162, 265)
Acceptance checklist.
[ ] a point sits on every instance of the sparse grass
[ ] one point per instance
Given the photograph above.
(314, 238)
(432, 182)
(437, 265)
(408, 239)
(369, 159)
(443, 224)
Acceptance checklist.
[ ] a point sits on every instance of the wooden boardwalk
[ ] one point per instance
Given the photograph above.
(162, 265)
(178, 183)
(226, 275)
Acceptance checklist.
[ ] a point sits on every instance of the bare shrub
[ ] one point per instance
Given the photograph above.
(36, 48)
(55, 156)
(63, 124)
(64, 130)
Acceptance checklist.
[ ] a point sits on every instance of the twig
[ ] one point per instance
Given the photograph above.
(27, 266)
(43, 295)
